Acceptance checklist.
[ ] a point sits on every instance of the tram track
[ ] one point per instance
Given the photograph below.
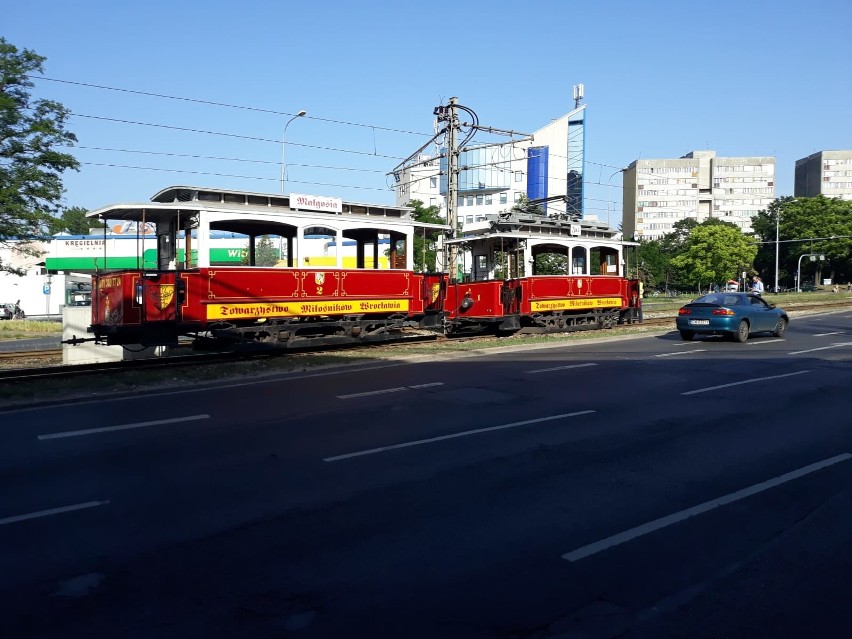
(653, 320)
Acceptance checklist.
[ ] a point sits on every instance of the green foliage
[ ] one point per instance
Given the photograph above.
(551, 264)
(74, 221)
(30, 166)
(523, 205)
(799, 219)
(714, 253)
(265, 252)
(425, 249)
(656, 266)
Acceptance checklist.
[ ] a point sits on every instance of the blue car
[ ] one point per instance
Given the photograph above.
(735, 315)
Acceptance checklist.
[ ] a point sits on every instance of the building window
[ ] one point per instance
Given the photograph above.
(517, 196)
(478, 200)
(469, 200)
(504, 197)
(517, 176)
(433, 201)
(460, 201)
(488, 199)
(468, 219)
(433, 182)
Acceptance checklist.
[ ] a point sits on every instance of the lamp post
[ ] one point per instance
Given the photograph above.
(777, 220)
(609, 197)
(813, 257)
(284, 149)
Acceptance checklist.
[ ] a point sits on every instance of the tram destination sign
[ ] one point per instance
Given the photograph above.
(316, 203)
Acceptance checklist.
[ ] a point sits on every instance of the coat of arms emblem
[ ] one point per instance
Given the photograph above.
(161, 295)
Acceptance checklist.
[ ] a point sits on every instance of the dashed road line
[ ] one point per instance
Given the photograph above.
(826, 334)
(768, 341)
(109, 429)
(697, 350)
(745, 381)
(559, 368)
(822, 348)
(477, 431)
(663, 522)
(52, 511)
(385, 391)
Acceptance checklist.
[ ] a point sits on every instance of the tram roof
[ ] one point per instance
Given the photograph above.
(519, 225)
(176, 200)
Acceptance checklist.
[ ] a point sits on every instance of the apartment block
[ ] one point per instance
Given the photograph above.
(827, 173)
(660, 192)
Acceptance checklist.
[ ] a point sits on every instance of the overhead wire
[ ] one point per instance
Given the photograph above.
(226, 159)
(232, 135)
(226, 105)
(473, 128)
(244, 177)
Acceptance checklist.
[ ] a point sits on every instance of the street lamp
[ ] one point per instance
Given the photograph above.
(284, 149)
(813, 257)
(777, 220)
(609, 195)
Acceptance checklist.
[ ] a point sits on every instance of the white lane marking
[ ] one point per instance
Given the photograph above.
(109, 429)
(477, 431)
(697, 350)
(52, 511)
(559, 368)
(662, 522)
(823, 348)
(768, 341)
(385, 391)
(826, 334)
(745, 381)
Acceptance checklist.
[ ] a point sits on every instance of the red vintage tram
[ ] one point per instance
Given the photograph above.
(365, 294)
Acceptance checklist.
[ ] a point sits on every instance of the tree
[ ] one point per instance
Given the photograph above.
(74, 221)
(551, 264)
(30, 166)
(799, 219)
(523, 205)
(265, 253)
(425, 248)
(714, 252)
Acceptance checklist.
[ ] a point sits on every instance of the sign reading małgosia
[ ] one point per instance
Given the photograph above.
(316, 203)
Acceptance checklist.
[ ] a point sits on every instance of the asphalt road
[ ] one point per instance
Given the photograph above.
(642, 487)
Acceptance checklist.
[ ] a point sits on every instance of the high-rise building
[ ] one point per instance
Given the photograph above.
(699, 185)
(827, 173)
(494, 177)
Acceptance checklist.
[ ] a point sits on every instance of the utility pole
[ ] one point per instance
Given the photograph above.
(449, 114)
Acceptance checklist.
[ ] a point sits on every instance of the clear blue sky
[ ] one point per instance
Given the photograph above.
(662, 78)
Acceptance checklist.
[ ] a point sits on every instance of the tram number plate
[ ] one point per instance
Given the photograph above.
(699, 322)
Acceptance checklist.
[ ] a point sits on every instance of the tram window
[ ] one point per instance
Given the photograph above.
(235, 198)
(481, 263)
(257, 200)
(207, 196)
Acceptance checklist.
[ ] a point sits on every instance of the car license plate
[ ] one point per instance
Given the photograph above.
(699, 322)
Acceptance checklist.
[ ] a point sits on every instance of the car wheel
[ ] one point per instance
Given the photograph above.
(742, 332)
(780, 328)
(687, 335)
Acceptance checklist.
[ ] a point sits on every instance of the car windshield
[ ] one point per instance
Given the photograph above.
(719, 299)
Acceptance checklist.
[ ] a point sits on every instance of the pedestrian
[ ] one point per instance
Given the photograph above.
(757, 286)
